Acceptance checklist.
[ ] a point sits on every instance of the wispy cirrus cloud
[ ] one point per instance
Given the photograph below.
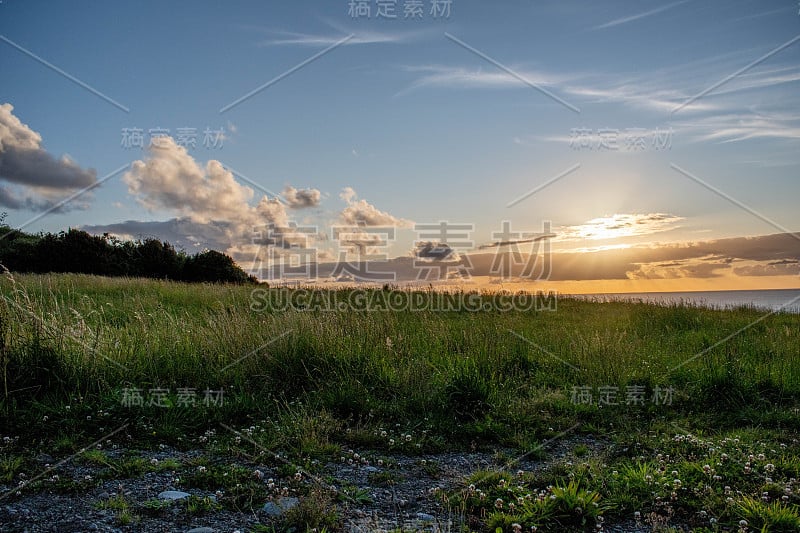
(661, 89)
(335, 32)
(735, 127)
(725, 115)
(444, 76)
(640, 95)
(657, 90)
(289, 38)
(639, 16)
(639, 92)
(760, 79)
(787, 9)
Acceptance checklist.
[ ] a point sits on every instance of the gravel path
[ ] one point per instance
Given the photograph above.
(398, 493)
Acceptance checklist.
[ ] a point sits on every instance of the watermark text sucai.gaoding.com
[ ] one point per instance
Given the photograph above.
(397, 300)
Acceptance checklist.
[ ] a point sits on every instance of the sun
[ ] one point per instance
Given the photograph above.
(619, 226)
(605, 228)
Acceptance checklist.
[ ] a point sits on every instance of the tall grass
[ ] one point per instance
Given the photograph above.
(497, 375)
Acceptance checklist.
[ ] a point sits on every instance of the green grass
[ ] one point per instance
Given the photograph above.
(703, 482)
(313, 383)
(123, 513)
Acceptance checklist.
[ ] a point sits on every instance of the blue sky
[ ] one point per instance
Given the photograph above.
(418, 118)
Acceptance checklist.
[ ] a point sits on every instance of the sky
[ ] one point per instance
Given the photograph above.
(608, 146)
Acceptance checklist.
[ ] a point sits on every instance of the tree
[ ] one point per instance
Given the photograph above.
(80, 252)
(211, 265)
(154, 259)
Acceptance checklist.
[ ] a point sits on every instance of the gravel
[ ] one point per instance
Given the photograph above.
(403, 495)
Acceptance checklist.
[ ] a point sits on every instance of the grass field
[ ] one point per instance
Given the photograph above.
(702, 406)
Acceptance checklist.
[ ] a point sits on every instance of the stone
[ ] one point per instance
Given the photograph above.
(277, 508)
(201, 530)
(425, 517)
(173, 495)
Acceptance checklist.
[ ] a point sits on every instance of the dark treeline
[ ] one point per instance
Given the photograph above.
(79, 252)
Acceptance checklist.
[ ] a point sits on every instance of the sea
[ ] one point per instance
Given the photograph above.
(785, 300)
